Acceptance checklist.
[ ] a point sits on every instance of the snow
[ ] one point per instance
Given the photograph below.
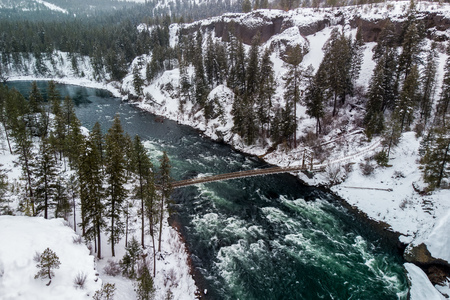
(421, 288)
(22, 238)
(386, 196)
(52, 6)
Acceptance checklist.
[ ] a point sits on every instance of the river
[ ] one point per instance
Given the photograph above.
(267, 237)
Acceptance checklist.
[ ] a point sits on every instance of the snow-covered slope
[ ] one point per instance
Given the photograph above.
(21, 238)
(388, 194)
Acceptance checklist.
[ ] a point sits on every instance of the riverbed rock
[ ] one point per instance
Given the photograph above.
(436, 269)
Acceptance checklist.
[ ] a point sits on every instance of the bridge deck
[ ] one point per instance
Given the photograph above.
(234, 175)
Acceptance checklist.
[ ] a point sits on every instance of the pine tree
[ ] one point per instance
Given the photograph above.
(185, 89)
(142, 167)
(16, 107)
(428, 79)
(210, 64)
(314, 100)
(265, 92)
(201, 88)
(35, 100)
(408, 101)
(443, 105)
(391, 135)
(62, 205)
(98, 142)
(374, 117)
(411, 45)
(144, 288)
(238, 76)
(436, 158)
(48, 261)
(252, 70)
(129, 261)
(4, 208)
(106, 292)
(336, 67)
(115, 171)
(138, 82)
(91, 194)
(74, 142)
(293, 82)
(165, 183)
(46, 176)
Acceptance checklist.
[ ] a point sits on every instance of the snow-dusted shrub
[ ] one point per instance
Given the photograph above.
(80, 280)
(333, 174)
(398, 175)
(404, 203)
(78, 239)
(37, 257)
(112, 268)
(171, 279)
(367, 167)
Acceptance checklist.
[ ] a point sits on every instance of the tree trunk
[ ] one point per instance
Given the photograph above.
(99, 252)
(444, 162)
(161, 221)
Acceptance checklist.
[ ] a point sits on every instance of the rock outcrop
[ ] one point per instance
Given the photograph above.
(436, 269)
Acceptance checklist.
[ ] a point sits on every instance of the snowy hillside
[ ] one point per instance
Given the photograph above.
(389, 195)
(22, 238)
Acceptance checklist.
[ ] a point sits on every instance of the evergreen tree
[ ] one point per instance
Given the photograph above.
(129, 261)
(74, 142)
(15, 108)
(408, 101)
(210, 64)
(252, 71)
(35, 100)
(48, 261)
(98, 142)
(144, 288)
(165, 183)
(54, 98)
(138, 82)
(106, 292)
(142, 167)
(374, 117)
(46, 176)
(91, 194)
(293, 82)
(185, 89)
(336, 66)
(314, 100)
(428, 79)
(4, 208)
(391, 134)
(115, 171)
(238, 76)
(443, 105)
(265, 92)
(436, 159)
(246, 6)
(411, 45)
(201, 89)
(62, 205)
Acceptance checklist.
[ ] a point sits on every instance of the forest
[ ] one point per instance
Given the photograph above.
(60, 164)
(399, 97)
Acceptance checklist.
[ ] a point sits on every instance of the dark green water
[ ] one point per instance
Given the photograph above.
(257, 238)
